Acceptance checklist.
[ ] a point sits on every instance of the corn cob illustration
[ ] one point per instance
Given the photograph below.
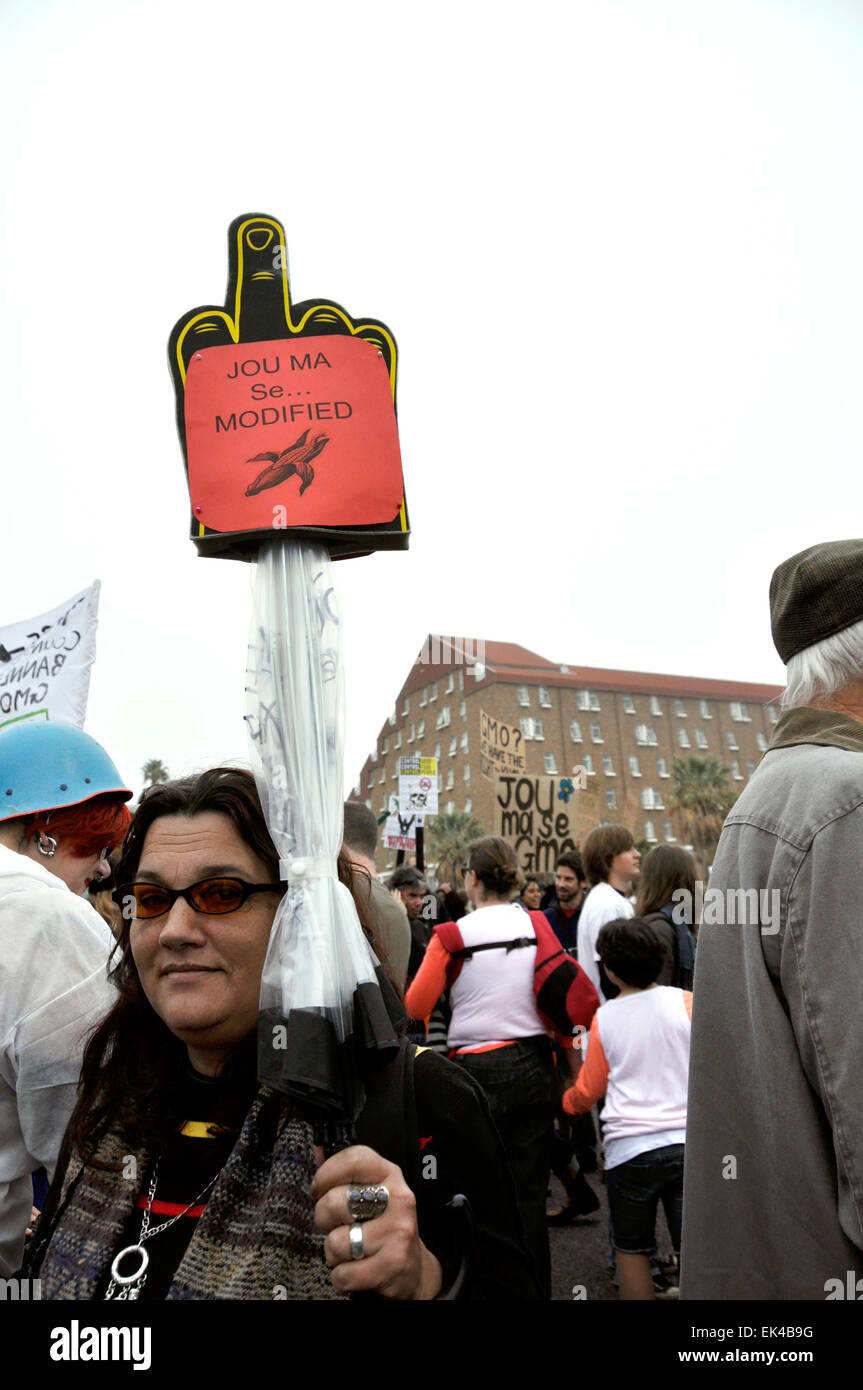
(297, 458)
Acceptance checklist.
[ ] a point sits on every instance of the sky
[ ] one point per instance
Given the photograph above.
(618, 246)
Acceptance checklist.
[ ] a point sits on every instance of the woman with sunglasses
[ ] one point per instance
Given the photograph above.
(182, 1178)
(61, 812)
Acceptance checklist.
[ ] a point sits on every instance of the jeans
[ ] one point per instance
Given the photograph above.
(635, 1189)
(518, 1081)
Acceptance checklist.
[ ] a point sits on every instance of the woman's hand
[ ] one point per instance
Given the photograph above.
(395, 1264)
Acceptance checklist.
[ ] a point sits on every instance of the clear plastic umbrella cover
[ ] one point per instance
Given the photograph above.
(325, 1012)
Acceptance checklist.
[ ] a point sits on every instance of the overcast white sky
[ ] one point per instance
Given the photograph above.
(619, 245)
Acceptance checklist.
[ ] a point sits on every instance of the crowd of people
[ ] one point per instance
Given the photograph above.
(141, 1157)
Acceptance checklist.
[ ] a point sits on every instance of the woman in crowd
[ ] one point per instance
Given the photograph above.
(182, 1178)
(665, 898)
(61, 812)
(496, 1032)
(530, 896)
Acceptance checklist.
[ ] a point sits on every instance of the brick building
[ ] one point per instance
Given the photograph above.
(625, 729)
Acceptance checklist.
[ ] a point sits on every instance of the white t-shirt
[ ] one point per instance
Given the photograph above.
(54, 950)
(602, 904)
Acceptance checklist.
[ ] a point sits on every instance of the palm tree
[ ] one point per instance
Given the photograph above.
(154, 772)
(703, 796)
(449, 835)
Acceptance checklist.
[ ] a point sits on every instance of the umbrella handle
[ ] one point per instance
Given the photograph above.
(463, 1213)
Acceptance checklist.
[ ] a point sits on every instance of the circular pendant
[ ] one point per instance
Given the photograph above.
(125, 1279)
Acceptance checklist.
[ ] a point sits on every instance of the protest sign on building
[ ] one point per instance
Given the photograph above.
(501, 748)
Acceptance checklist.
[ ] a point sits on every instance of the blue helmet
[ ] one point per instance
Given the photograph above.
(45, 766)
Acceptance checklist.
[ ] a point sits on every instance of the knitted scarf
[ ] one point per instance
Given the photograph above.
(256, 1238)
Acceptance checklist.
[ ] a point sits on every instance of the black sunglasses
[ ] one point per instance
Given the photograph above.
(212, 896)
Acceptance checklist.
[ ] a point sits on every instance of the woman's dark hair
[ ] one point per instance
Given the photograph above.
(133, 1065)
(601, 848)
(664, 870)
(632, 949)
(495, 865)
(529, 879)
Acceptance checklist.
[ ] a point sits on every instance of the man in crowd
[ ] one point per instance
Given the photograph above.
(773, 1193)
(564, 909)
(409, 887)
(389, 916)
(611, 862)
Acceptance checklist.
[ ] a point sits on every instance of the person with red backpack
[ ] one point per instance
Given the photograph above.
(511, 984)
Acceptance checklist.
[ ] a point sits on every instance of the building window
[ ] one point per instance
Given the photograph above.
(645, 735)
(464, 741)
(385, 745)
(406, 706)
(740, 714)
(735, 770)
(461, 683)
(450, 779)
(680, 709)
(544, 700)
(704, 706)
(683, 738)
(467, 772)
(655, 706)
(453, 745)
(450, 807)
(701, 738)
(370, 783)
(661, 768)
(772, 714)
(651, 799)
(382, 776)
(439, 782)
(761, 741)
(383, 805)
(611, 798)
(628, 705)
(462, 708)
(575, 731)
(523, 695)
(649, 832)
(433, 692)
(443, 719)
(424, 699)
(596, 733)
(468, 806)
(608, 765)
(537, 730)
(588, 699)
(526, 726)
(731, 740)
(633, 767)
(397, 741)
(450, 683)
(750, 768)
(421, 729)
(413, 733)
(437, 751)
(395, 776)
(668, 832)
(587, 764)
(550, 764)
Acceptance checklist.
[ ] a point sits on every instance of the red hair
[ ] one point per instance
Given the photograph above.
(100, 823)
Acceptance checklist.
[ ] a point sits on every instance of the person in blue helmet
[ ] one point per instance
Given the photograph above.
(62, 810)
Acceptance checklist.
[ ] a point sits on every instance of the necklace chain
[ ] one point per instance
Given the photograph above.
(133, 1288)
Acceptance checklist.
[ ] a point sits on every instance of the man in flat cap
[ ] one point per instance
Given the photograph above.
(773, 1194)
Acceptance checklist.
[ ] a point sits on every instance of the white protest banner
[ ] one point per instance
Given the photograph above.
(45, 662)
(418, 785)
(501, 748)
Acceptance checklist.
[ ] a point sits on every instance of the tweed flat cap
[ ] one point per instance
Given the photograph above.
(816, 594)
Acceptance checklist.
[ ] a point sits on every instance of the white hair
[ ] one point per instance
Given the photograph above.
(827, 666)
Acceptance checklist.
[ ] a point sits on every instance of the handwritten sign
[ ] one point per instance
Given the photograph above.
(501, 748)
(418, 786)
(286, 413)
(45, 662)
(536, 816)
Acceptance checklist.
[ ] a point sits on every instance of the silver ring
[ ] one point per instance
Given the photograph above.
(355, 1240)
(125, 1279)
(368, 1200)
